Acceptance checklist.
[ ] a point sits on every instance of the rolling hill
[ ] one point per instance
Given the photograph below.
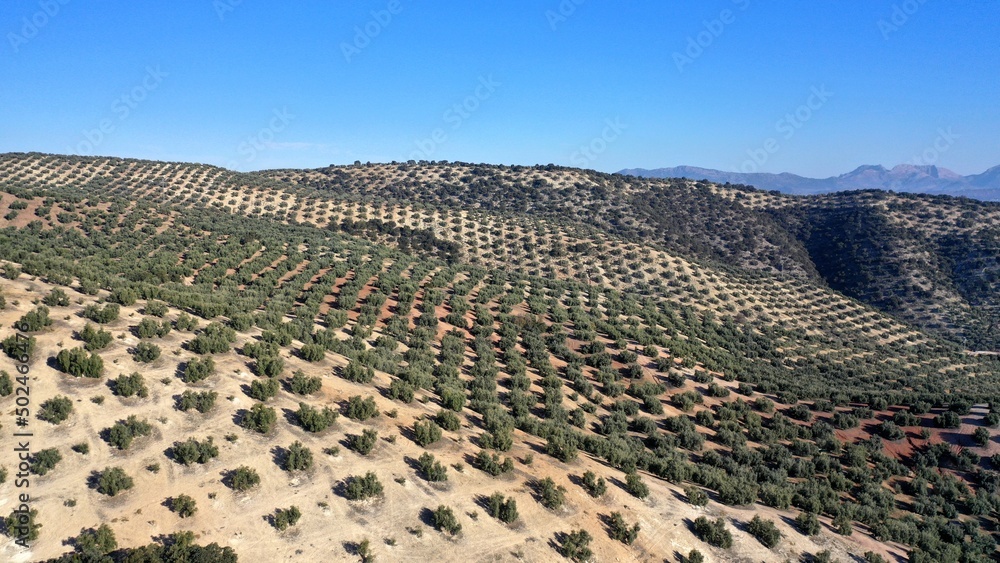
(445, 361)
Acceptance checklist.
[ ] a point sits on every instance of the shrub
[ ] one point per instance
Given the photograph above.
(765, 531)
(192, 451)
(453, 399)
(576, 546)
(56, 409)
(501, 440)
(23, 525)
(635, 486)
(124, 431)
(44, 461)
(426, 433)
(185, 322)
(737, 492)
(619, 530)
(77, 362)
(146, 352)
(56, 298)
(981, 436)
(807, 523)
(298, 458)
(302, 385)
(400, 390)
(960, 407)
(114, 480)
(713, 533)
(948, 419)
(594, 485)
(716, 390)
(361, 488)
(363, 443)
(336, 319)
(34, 320)
(501, 508)
(283, 518)
(282, 338)
(444, 520)
(361, 409)
(200, 401)
(99, 315)
(890, 431)
(551, 496)
(777, 496)
(213, 339)
(6, 384)
(431, 469)
(264, 389)
(198, 369)
(843, 523)
(694, 556)
(125, 295)
(244, 478)
(131, 385)
(260, 418)
(696, 496)
(313, 420)
(148, 328)
(184, 506)
(764, 405)
(17, 347)
(95, 338)
(992, 419)
(89, 286)
(448, 420)
(312, 352)
(269, 366)
(82, 448)
(155, 308)
(358, 373)
(492, 464)
(241, 322)
(98, 542)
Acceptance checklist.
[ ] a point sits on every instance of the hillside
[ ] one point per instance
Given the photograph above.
(464, 330)
(931, 261)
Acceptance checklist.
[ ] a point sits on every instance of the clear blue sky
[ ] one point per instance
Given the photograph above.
(254, 84)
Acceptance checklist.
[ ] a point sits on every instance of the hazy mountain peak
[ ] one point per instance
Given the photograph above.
(926, 170)
(912, 178)
(864, 168)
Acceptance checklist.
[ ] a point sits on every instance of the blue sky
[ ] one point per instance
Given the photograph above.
(816, 88)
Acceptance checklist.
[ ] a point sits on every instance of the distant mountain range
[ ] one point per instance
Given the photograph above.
(903, 178)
